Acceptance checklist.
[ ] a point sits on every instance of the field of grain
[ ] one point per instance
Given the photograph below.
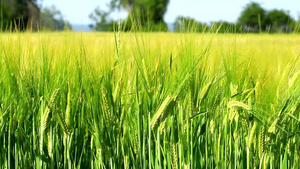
(149, 100)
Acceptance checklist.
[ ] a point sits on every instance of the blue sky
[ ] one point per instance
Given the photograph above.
(77, 11)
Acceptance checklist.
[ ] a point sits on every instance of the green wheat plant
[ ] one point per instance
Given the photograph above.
(149, 100)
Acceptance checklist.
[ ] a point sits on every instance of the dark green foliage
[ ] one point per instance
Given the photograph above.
(6, 13)
(147, 15)
(15, 14)
(253, 17)
(187, 24)
(279, 21)
(152, 10)
(21, 15)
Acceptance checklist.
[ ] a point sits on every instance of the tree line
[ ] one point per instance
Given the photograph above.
(145, 15)
(148, 16)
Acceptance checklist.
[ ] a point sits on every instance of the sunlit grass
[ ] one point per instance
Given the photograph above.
(166, 100)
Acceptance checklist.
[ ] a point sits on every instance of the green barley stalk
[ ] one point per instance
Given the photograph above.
(68, 109)
(145, 72)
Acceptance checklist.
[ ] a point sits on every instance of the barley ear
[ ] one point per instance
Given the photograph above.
(45, 120)
(261, 141)
(62, 122)
(250, 139)
(45, 117)
(160, 112)
(106, 109)
(49, 145)
(173, 155)
(52, 99)
(273, 126)
(163, 125)
(234, 103)
(166, 114)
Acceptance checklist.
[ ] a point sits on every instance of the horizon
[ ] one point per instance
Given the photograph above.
(206, 12)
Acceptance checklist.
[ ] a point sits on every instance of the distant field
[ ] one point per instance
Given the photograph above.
(149, 100)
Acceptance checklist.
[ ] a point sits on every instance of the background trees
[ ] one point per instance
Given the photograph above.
(19, 14)
(147, 14)
(254, 18)
(52, 19)
(102, 20)
(6, 15)
(187, 24)
(279, 21)
(27, 14)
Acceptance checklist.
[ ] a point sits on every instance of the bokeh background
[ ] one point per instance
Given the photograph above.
(163, 15)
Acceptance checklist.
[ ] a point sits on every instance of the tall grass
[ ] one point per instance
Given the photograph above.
(149, 100)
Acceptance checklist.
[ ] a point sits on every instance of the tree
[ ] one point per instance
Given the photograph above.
(154, 10)
(253, 17)
(297, 25)
(187, 24)
(17, 14)
(146, 13)
(52, 19)
(6, 15)
(102, 20)
(279, 20)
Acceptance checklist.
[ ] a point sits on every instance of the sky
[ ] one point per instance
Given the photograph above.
(77, 11)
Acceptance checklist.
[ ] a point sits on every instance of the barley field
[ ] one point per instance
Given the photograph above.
(149, 100)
